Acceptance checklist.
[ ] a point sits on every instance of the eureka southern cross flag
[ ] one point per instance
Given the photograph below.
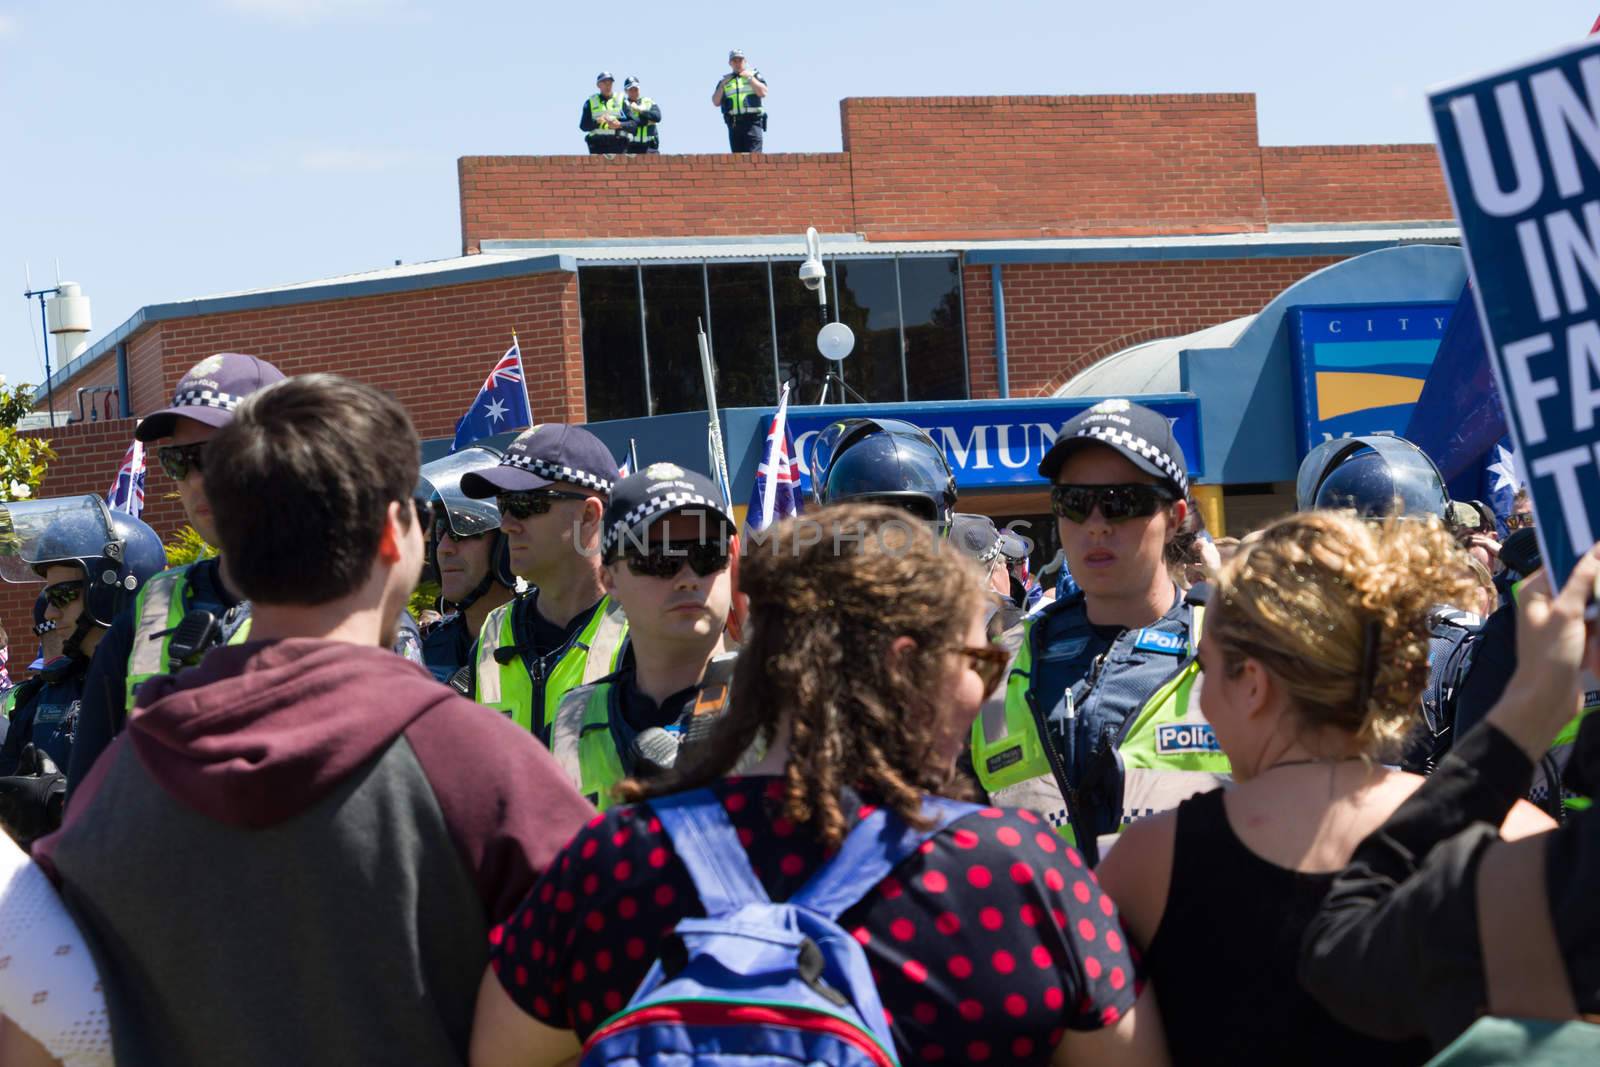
(501, 405)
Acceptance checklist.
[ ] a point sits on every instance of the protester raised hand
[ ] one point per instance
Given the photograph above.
(1554, 644)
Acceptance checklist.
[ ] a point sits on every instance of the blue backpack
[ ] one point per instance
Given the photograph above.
(758, 981)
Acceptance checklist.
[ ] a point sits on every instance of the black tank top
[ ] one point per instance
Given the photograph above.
(1223, 960)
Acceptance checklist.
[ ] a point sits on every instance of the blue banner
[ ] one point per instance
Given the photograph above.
(1521, 152)
(1458, 420)
(1361, 367)
(996, 444)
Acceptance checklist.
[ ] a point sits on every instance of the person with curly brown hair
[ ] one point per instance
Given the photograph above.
(864, 665)
(1314, 657)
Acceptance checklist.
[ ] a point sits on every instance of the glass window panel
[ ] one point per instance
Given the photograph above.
(674, 301)
(613, 353)
(930, 300)
(795, 310)
(741, 334)
(869, 305)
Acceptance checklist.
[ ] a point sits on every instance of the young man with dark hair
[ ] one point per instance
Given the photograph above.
(360, 827)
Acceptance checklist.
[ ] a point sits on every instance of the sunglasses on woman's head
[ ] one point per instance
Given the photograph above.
(179, 460)
(665, 561)
(521, 503)
(63, 593)
(1117, 503)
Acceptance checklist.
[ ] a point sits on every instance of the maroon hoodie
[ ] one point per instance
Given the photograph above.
(294, 852)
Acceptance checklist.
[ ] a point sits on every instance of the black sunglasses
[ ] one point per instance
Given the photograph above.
(1117, 503)
(63, 593)
(665, 561)
(522, 503)
(1519, 521)
(179, 460)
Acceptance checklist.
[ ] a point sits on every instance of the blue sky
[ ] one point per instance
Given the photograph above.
(177, 149)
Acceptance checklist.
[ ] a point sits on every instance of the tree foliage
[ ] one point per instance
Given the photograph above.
(186, 547)
(22, 459)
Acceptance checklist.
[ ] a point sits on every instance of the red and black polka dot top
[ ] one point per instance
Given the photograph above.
(986, 945)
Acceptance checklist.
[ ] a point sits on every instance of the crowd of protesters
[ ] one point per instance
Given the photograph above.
(855, 789)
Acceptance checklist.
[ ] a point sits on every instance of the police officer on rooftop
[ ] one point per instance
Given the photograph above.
(667, 547)
(1100, 719)
(601, 118)
(551, 487)
(641, 119)
(742, 96)
(147, 639)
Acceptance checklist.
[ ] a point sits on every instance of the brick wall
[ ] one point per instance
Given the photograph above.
(430, 348)
(1061, 317)
(553, 197)
(1054, 166)
(1354, 183)
(977, 287)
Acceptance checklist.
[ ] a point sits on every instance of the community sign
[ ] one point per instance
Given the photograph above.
(1521, 152)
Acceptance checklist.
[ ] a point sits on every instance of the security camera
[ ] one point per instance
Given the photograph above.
(812, 274)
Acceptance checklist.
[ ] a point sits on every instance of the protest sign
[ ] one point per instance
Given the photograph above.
(1521, 153)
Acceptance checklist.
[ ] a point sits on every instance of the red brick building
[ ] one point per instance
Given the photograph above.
(1099, 222)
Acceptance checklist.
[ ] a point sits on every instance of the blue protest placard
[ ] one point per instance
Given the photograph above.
(1521, 153)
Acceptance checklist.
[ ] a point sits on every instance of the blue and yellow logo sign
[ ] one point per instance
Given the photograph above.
(1360, 367)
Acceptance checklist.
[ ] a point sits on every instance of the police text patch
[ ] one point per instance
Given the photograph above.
(1186, 737)
(1164, 643)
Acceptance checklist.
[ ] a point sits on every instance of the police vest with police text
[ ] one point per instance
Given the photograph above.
(598, 106)
(1154, 748)
(508, 687)
(161, 606)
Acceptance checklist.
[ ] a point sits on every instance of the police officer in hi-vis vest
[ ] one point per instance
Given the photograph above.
(1099, 722)
(742, 96)
(551, 486)
(601, 118)
(181, 613)
(641, 119)
(667, 546)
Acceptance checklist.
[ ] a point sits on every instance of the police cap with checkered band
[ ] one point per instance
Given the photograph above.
(1143, 437)
(210, 393)
(549, 453)
(663, 489)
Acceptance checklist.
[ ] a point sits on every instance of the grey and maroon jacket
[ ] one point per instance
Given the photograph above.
(294, 853)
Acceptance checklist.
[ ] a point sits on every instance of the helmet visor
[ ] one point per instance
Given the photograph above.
(465, 516)
(34, 533)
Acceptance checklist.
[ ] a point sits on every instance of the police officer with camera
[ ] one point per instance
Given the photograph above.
(1099, 722)
(601, 118)
(469, 553)
(181, 613)
(667, 547)
(742, 96)
(94, 562)
(551, 488)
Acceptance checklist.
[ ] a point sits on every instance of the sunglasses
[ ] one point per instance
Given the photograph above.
(989, 663)
(665, 561)
(179, 460)
(63, 593)
(1117, 503)
(522, 503)
(1520, 522)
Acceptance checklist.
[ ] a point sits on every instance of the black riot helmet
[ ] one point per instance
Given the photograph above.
(884, 461)
(116, 552)
(1375, 476)
(464, 516)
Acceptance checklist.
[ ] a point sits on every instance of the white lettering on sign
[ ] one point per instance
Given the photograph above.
(959, 450)
(1573, 249)
(1544, 290)
(1528, 184)
(1563, 117)
(1003, 439)
(1527, 390)
(1562, 467)
(1583, 363)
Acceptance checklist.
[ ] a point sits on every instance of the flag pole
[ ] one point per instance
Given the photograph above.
(633, 454)
(719, 455)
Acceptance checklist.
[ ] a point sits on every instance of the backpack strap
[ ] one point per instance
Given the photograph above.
(709, 847)
(877, 845)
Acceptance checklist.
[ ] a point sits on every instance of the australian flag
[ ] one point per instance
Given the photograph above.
(502, 403)
(776, 494)
(127, 492)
